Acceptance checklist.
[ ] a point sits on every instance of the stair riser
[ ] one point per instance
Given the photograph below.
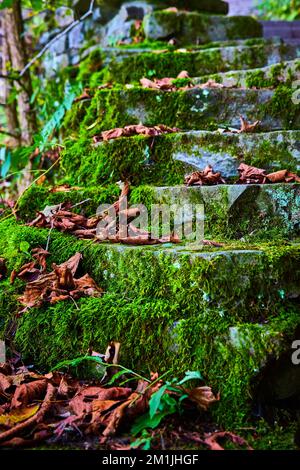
(235, 212)
(189, 110)
(165, 160)
(271, 76)
(195, 28)
(208, 61)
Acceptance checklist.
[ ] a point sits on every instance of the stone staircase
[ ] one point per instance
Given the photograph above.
(230, 311)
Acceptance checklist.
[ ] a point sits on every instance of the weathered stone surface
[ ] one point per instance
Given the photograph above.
(64, 16)
(239, 211)
(197, 28)
(165, 160)
(127, 65)
(196, 108)
(270, 76)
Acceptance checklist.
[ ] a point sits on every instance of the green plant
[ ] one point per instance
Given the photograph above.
(279, 9)
(163, 404)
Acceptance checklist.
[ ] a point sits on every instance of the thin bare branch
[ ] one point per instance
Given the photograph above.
(58, 36)
(6, 132)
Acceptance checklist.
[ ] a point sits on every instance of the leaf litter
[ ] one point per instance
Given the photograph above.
(247, 175)
(63, 219)
(57, 407)
(58, 285)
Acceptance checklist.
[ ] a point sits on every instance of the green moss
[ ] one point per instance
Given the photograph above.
(197, 62)
(192, 27)
(243, 27)
(37, 198)
(91, 64)
(281, 106)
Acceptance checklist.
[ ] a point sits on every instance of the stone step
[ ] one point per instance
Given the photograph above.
(164, 160)
(197, 28)
(190, 109)
(126, 65)
(244, 212)
(265, 77)
(236, 212)
(171, 307)
(287, 30)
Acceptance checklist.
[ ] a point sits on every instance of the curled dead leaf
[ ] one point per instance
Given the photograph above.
(3, 268)
(205, 177)
(203, 397)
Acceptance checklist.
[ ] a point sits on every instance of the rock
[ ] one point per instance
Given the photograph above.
(199, 28)
(76, 37)
(64, 16)
(120, 27)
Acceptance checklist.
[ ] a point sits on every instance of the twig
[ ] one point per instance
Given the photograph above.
(4, 131)
(58, 36)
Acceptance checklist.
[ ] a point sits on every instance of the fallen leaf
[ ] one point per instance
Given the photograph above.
(247, 127)
(5, 382)
(203, 397)
(132, 130)
(251, 175)
(18, 415)
(283, 176)
(211, 84)
(85, 95)
(211, 440)
(3, 269)
(205, 177)
(26, 393)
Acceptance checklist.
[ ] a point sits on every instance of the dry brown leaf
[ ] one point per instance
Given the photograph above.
(211, 84)
(26, 393)
(251, 175)
(3, 269)
(85, 95)
(211, 440)
(5, 382)
(283, 176)
(212, 243)
(203, 397)
(132, 130)
(205, 177)
(247, 127)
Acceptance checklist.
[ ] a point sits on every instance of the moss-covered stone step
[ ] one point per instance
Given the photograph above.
(236, 211)
(190, 109)
(266, 77)
(165, 160)
(248, 212)
(126, 65)
(226, 312)
(193, 27)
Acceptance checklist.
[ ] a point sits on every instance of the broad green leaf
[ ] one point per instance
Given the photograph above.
(5, 157)
(191, 375)
(155, 400)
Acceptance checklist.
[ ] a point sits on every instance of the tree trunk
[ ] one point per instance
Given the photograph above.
(15, 36)
(10, 106)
